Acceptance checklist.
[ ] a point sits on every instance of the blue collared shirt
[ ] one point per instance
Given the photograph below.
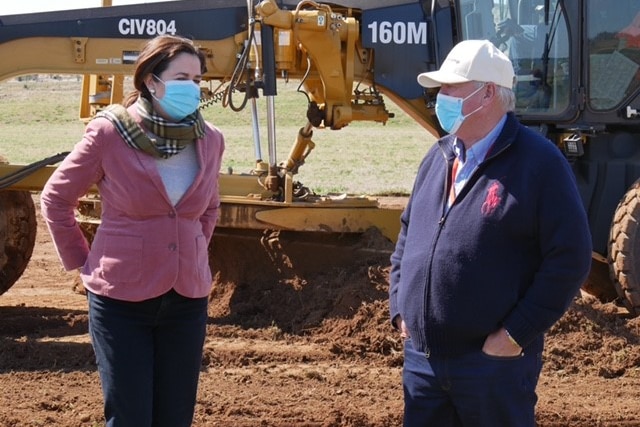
(469, 160)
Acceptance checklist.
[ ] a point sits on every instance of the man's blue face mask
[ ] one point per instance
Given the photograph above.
(449, 110)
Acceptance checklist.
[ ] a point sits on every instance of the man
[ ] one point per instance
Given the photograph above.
(494, 245)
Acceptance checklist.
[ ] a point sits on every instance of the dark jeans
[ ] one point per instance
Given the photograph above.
(149, 356)
(473, 390)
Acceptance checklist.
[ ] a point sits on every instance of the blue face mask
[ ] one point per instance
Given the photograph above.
(181, 98)
(449, 111)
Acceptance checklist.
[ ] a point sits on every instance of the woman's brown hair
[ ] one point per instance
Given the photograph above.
(155, 58)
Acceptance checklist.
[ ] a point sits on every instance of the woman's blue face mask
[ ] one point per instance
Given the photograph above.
(181, 98)
(449, 110)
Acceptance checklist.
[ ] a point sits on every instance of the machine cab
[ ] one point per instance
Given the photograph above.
(563, 64)
(535, 38)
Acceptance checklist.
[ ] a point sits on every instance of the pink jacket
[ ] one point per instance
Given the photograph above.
(144, 246)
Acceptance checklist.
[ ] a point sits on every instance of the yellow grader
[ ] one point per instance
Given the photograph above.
(577, 83)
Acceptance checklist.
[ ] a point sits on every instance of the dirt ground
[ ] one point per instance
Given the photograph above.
(287, 346)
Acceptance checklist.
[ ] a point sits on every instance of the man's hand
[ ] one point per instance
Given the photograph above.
(402, 327)
(501, 345)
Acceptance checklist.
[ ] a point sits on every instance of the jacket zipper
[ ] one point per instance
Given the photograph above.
(474, 176)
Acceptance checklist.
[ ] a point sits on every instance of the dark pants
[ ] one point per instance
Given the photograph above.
(474, 390)
(149, 355)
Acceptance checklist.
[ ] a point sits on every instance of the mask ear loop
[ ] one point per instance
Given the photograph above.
(153, 91)
(464, 117)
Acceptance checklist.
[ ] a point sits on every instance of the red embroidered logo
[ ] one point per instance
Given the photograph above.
(492, 201)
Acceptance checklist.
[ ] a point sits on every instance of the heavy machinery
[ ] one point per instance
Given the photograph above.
(578, 82)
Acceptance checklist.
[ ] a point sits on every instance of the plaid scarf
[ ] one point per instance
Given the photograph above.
(167, 138)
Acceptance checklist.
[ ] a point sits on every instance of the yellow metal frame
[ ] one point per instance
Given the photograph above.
(244, 205)
(323, 47)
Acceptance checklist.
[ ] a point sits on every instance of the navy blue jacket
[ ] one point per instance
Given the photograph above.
(512, 251)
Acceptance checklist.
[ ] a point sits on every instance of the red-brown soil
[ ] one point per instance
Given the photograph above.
(288, 346)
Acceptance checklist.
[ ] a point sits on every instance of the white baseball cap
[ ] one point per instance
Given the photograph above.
(472, 60)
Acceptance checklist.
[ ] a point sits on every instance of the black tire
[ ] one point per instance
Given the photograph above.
(624, 249)
(17, 235)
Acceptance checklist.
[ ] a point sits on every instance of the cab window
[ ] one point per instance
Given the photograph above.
(614, 51)
(539, 50)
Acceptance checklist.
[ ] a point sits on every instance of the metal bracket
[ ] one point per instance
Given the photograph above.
(79, 49)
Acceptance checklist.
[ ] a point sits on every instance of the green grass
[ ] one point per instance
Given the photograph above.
(40, 118)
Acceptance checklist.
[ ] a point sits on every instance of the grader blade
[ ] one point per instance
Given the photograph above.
(264, 241)
(245, 256)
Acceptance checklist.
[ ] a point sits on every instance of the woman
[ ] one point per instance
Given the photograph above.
(147, 276)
